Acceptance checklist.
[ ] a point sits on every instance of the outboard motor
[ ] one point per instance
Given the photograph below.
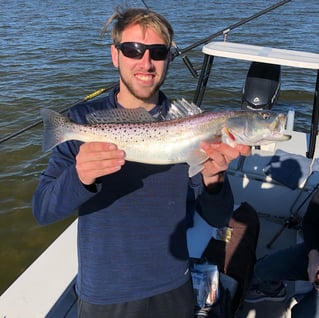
(262, 86)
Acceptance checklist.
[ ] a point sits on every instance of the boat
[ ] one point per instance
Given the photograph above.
(279, 201)
(46, 288)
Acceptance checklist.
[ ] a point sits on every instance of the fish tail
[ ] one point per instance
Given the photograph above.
(54, 124)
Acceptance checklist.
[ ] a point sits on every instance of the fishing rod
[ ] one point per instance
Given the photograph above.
(232, 27)
(39, 121)
(185, 59)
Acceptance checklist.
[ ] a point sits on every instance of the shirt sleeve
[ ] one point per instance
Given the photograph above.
(60, 191)
(215, 208)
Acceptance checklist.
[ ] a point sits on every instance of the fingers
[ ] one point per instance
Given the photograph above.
(223, 154)
(220, 157)
(243, 150)
(96, 159)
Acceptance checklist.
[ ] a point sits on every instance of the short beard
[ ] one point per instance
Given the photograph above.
(142, 98)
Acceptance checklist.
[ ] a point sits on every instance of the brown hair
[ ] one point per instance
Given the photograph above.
(143, 17)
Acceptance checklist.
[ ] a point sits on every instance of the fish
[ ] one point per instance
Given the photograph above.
(174, 139)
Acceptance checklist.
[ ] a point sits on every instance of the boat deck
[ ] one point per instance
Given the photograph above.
(66, 307)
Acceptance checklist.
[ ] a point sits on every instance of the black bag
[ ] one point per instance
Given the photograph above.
(237, 257)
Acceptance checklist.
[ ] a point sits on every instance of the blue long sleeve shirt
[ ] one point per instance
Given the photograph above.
(132, 226)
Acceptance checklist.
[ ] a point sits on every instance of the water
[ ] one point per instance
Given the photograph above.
(51, 55)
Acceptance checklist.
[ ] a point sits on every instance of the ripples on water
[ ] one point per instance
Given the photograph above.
(51, 55)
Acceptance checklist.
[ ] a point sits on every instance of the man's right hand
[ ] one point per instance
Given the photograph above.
(97, 159)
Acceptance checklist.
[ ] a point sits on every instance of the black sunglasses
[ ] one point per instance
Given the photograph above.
(135, 50)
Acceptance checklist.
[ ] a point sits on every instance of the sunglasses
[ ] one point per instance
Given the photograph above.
(135, 50)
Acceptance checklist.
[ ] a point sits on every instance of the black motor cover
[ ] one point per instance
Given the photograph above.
(262, 86)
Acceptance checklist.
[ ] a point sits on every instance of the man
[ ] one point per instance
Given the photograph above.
(299, 262)
(132, 252)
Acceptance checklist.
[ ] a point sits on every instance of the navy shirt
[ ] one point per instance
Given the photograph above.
(132, 224)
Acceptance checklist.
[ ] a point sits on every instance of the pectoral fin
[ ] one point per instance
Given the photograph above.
(196, 161)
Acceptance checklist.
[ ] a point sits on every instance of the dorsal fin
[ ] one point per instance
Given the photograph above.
(181, 108)
(119, 115)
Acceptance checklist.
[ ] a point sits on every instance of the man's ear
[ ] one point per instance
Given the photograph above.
(115, 55)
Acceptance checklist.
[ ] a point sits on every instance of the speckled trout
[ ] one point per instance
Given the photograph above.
(176, 139)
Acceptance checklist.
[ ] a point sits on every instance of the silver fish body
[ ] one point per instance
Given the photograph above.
(170, 141)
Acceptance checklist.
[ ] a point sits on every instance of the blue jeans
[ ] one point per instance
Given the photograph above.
(287, 264)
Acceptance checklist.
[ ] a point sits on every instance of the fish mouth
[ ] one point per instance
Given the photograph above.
(278, 137)
(279, 124)
(278, 127)
(259, 140)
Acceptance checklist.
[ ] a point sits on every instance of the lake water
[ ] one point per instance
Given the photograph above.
(51, 55)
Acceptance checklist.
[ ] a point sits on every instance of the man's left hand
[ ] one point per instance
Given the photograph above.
(220, 156)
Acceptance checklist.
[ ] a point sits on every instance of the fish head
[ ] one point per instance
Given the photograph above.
(254, 128)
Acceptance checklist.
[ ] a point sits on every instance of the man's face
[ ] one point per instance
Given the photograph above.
(143, 77)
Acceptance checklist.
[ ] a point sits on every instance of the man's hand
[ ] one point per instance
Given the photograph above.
(220, 156)
(97, 159)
